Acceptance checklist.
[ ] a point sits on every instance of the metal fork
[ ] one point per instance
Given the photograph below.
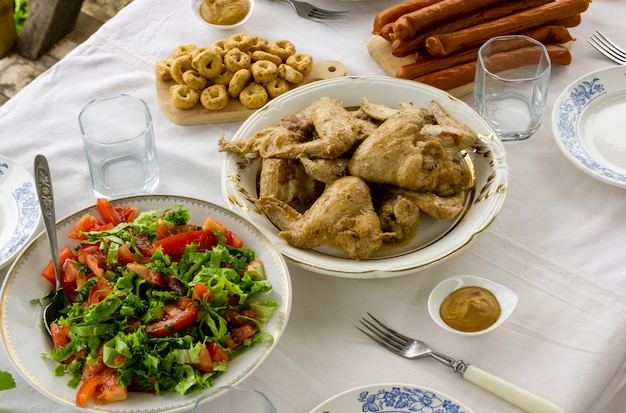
(411, 348)
(609, 49)
(308, 11)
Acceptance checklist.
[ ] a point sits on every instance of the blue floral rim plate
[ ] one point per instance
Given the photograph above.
(396, 398)
(19, 209)
(589, 123)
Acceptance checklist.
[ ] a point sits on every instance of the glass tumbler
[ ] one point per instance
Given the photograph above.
(118, 139)
(511, 85)
(234, 400)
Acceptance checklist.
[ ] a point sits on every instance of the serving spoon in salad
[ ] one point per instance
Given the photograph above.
(46, 201)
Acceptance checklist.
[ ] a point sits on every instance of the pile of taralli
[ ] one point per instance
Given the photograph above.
(244, 67)
(444, 35)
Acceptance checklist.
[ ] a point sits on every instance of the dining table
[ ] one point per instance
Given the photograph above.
(558, 240)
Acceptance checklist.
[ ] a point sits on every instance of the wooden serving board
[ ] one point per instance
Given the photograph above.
(380, 50)
(234, 111)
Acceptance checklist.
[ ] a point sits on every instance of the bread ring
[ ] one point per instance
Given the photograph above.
(194, 80)
(215, 97)
(262, 55)
(253, 96)
(281, 48)
(183, 49)
(238, 82)
(277, 87)
(290, 74)
(264, 71)
(195, 52)
(258, 43)
(163, 69)
(235, 60)
(302, 62)
(219, 46)
(241, 41)
(224, 78)
(184, 97)
(208, 63)
(179, 66)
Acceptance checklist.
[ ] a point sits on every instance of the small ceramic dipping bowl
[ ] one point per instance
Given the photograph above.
(506, 298)
(194, 5)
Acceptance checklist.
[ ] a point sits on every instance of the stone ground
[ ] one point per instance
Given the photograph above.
(16, 71)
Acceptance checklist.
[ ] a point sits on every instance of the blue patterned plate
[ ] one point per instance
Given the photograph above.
(590, 127)
(19, 209)
(396, 398)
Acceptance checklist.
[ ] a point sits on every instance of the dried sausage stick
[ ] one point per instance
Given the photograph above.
(444, 44)
(392, 13)
(401, 48)
(464, 73)
(426, 64)
(411, 23)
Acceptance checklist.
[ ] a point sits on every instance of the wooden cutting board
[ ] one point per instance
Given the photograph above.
(234, 111)
(380, 50)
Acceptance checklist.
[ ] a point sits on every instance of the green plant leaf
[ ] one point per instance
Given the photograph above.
(6, 381)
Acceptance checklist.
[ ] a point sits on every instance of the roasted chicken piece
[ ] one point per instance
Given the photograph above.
(438, 207)
(454, 176)
(287, 180)
(454, 136)
(395, 154)
(335, 132)
(343, 214)
(325, 170)
(398, 215)
(289, 131)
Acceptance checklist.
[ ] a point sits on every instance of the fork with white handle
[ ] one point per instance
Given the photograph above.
(411, 349)
(608, 48)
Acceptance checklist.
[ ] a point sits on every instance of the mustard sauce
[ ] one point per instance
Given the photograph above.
(470, 309)
(224, 12)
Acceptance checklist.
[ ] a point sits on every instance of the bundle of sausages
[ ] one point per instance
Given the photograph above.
(445, 35)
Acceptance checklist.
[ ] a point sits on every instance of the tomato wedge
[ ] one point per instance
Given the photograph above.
(202, 292)
(104, 386)
(175, 244)
(48, 272)
(231, 239)
(115, 214)
(87, 223)
(217, 353)
(177, 316)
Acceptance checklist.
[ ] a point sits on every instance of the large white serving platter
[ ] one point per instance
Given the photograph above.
(436, 240)
(25, 339)
(19, 209)
(589, 124)
(391, 398)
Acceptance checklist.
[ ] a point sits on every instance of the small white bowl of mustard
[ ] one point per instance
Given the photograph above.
(470, 305)
(222, 14)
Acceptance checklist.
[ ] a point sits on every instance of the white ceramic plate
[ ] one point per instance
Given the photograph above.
(25, 339)
(391, 397)
(436, 239)
(506, 298)
(19, 209)
(589, 123)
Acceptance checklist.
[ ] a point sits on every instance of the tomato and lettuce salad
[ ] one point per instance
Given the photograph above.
(153, 303)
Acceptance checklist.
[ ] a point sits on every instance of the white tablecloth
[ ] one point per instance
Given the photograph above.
(558, 241)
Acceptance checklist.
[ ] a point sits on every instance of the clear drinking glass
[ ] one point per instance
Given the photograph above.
(511, 85)
(234, 400)
(118, 138)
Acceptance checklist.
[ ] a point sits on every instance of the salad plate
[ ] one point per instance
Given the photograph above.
(25, 338)
(436, 240)
(391, 397)
(19, 209)
(588, 124)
